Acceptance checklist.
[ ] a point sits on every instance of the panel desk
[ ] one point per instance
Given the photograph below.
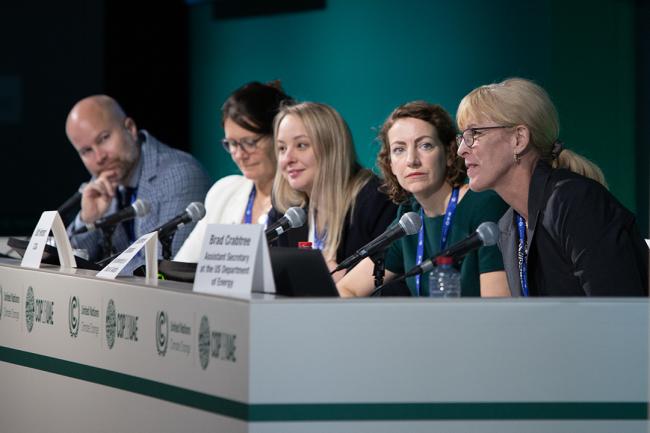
(81, 354)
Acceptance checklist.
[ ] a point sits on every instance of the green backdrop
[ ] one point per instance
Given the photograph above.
(364, 57)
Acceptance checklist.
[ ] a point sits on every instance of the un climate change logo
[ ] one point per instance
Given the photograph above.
(29, 309)
(111, 324)
(204, 342)
(162, 332)
(73, 316)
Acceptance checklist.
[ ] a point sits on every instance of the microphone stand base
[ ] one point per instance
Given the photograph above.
(107, 240)
(166, 243)
(380, 267)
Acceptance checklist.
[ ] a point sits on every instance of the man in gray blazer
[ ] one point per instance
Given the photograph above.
(127, 164)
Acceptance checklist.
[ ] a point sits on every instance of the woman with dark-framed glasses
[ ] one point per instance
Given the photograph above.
(564, 234)
(247, 120)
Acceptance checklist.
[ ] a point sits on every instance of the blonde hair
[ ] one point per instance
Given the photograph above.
(517, 101)
(339, 177)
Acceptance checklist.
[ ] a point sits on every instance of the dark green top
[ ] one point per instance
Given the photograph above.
(471, 211)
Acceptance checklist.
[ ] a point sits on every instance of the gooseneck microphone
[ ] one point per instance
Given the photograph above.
(408, 224)
(73, 202)
(486, 234)
(193, 212)
(137, 209)
(293, 218)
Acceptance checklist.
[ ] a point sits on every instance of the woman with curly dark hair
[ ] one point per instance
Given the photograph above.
(423, 174)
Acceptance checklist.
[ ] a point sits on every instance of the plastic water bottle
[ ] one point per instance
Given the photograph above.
(444, 279)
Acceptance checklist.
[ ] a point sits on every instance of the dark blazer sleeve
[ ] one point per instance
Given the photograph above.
(599, 237)
(372, 214)
(289, 238)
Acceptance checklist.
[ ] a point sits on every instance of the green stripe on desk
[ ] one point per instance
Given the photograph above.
(508, 411)
(126, 382)
(449, 411)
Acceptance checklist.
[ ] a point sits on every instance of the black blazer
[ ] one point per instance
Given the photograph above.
(373, 213)
(581, 240)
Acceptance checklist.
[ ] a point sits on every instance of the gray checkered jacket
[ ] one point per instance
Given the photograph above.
(170, 180)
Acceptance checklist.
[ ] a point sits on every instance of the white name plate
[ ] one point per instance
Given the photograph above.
(49, 221)
(234, 261)
(150, 244)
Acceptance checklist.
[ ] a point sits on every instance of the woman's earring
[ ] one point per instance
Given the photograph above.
(517, 158)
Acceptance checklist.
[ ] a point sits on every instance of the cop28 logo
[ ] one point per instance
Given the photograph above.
(73, 316)
(29, 309)
(162, 332)
(204, 342)
(111, 324)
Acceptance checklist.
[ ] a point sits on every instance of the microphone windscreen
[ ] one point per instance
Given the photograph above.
(142, 207)
(410, 222)
(296, 216)
(195, 210)
(488, 231)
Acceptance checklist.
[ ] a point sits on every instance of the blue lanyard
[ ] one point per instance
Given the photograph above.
(318, 241)
(248, 216)
(521, 254)
(444, 235)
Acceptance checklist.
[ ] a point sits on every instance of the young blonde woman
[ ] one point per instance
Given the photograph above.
(423, 173)
(564, 234)
(318, 170)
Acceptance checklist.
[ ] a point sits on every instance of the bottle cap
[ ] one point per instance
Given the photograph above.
(444, 260)
(305, 245)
